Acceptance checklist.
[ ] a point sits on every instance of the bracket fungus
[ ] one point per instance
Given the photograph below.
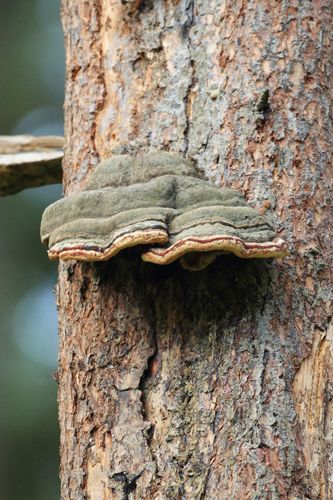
(158, 200)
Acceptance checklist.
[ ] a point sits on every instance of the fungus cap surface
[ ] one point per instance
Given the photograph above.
(158, 200)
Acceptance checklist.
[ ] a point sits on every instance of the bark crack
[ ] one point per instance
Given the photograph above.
(146, 375)
(187, 98)
(144, 379)
(128, 482)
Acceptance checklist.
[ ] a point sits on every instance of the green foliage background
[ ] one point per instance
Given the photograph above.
(31, 99)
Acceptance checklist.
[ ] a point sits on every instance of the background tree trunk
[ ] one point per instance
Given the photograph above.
(215, 384)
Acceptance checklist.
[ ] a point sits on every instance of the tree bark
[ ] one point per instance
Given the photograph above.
(216, 384)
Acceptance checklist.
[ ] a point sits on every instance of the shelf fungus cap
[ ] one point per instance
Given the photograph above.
(160, 201)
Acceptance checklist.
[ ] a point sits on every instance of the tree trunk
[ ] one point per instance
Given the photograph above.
(215, 384)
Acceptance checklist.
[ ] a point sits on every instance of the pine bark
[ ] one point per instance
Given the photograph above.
(216, 384)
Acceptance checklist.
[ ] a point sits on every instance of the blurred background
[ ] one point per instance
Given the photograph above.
(31, 100)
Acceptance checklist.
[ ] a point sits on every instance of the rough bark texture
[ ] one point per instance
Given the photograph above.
(215, 384)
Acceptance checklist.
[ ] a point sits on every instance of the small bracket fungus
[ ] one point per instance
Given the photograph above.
(158, 200)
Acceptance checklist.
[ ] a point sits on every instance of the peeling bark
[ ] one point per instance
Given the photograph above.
(214, 384)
